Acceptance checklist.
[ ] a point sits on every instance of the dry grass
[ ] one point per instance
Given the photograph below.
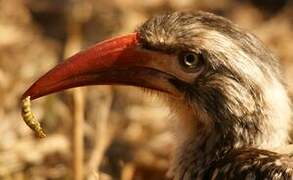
(123, 135)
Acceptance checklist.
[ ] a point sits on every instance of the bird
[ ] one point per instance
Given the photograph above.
(222, 84)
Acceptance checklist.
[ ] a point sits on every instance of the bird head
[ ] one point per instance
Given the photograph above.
(221, 82)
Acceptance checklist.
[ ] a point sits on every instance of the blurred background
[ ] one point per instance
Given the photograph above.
(101, 132)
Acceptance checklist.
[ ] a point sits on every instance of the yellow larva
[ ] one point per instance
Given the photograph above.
(30, 119)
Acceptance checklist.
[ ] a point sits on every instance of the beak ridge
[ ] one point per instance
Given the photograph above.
(120, 60)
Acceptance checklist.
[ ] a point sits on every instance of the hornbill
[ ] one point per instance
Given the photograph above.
(223, 85)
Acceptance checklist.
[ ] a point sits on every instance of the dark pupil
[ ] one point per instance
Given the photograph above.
(190, 60)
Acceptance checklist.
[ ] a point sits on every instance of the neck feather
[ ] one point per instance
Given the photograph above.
(202, 139)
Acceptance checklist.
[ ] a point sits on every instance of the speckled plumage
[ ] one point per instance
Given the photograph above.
(235, 108)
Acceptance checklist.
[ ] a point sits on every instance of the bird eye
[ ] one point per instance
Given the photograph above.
(190, 60)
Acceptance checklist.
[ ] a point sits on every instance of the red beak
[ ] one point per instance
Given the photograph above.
(120, 60)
